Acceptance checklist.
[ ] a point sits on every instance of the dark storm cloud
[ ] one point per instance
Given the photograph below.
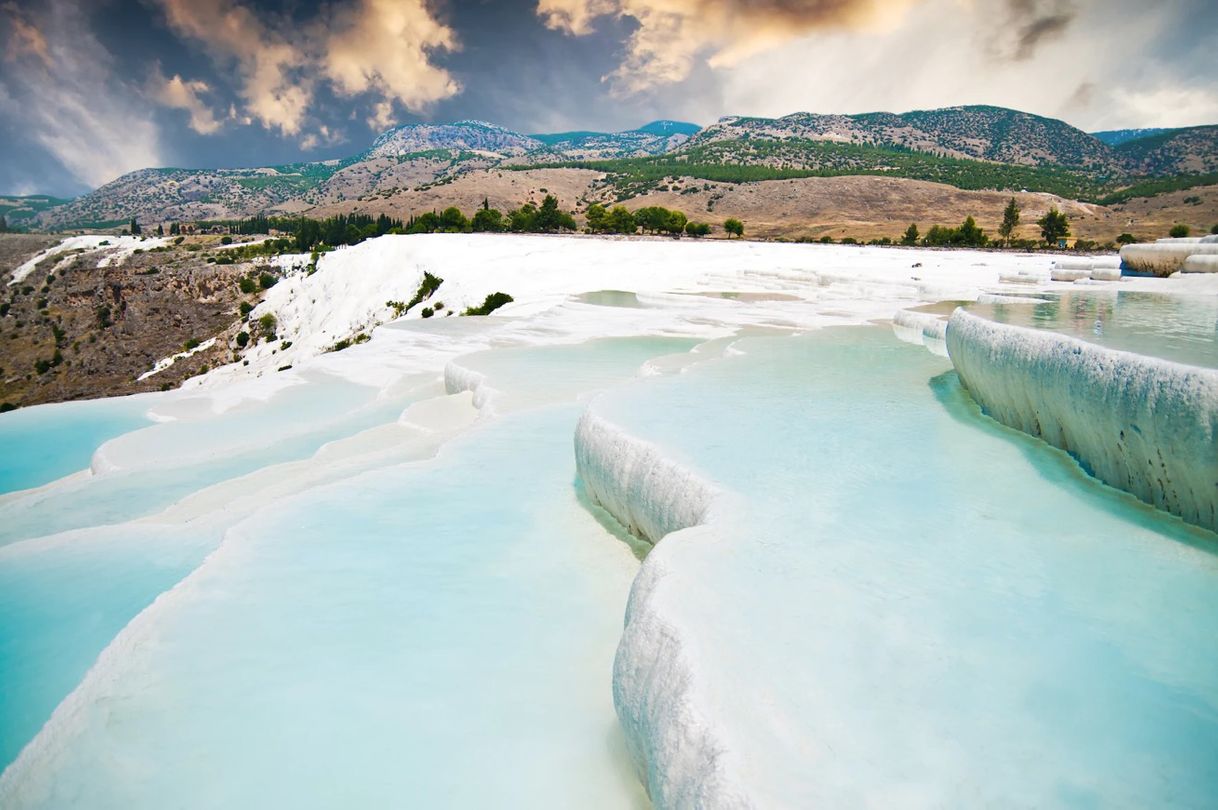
(1033, 22)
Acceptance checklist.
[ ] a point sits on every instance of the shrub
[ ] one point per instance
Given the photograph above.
(1126, 239)
(1214, 229)
(267, 323)
(849, 240)
(243, 339)
(426, 312)
(191, 343)
(247, 285)
(266, 281)
(245, 307)
(826, 240)
(1178, 231)
(103, 317)
(427, 288)
(5, 407)
(733, 226)
(492, 303)
(226, 240)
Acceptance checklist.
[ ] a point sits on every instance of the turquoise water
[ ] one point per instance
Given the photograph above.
(171, 460)
(911, 605)
(908, 604)
(408, 598)
(1179, 328)
(435, 635)
(42, 443)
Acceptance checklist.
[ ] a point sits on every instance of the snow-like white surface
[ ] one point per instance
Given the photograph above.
(833, 284)
(166, 362)
(1141, 424)
(1164, 257)
(113, 250)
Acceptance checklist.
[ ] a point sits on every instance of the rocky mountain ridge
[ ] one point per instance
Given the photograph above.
(413, 158)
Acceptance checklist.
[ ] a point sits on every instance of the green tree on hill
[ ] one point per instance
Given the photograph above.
(550, 219)
(622, 221)
(970, 235)
(1178, 231)
(452, 220)
(910, 237)
(1054, 226)
(135, 227)
(488, 220)
(1010, 221)
(598, 218)
(697, 229)
(733, 227)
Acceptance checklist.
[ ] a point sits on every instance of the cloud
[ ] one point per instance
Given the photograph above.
(68, 100)
(1078, 75)
(24, 38)
(267, 65)
(179, 94)
(672, 35)
(380, 47)
(382, 117)
(387, 49)
(1029, 23)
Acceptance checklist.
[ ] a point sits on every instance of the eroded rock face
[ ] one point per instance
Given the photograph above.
(73, 330)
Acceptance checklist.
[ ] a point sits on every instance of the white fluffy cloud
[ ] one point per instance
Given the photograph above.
(673, 35)
(182, 94)
(380, 47)
(1095, 64)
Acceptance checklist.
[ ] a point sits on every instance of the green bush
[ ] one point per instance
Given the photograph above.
(243, 339)
(266, 281)
(226, 240)
(1178, 231)
(245, 307)
(267, 323)
(492, 303)
(191, 343)
(426, 312)
(247, 285)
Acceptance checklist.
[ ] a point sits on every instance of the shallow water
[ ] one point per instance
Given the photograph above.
(43, 443)
(400, 629)
(907, 604)
(1179, 328)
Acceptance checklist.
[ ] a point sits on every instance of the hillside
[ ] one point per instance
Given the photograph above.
(1190, 150)
(978, 133)
(969, 148)
(655, 138)
(1116, 137)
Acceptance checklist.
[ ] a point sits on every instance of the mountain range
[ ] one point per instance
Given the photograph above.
(972, 147)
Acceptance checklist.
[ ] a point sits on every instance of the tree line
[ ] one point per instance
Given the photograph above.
(348, 229)
(1054, 226)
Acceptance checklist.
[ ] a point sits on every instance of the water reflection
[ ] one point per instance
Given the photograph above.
(1183, 329)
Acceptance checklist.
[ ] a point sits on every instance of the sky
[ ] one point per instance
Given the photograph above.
(93, 89)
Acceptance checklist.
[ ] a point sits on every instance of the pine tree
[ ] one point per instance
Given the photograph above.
(1054, 226)
(910, 237)
(1010, 221)
(135, 227)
